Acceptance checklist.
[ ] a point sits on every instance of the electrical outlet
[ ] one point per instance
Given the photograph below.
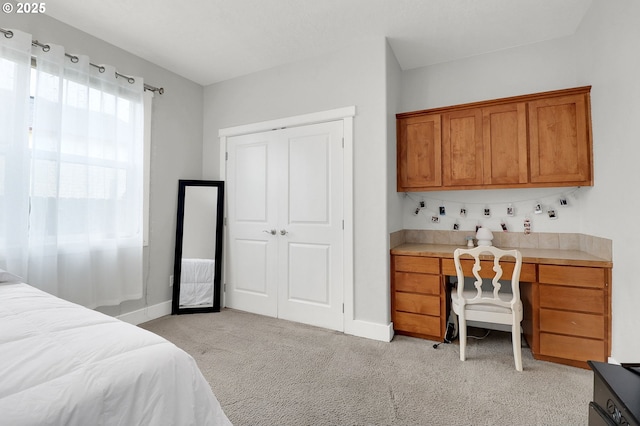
(170, 280)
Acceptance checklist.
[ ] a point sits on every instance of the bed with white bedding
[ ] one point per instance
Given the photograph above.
(196, 281)
(63, 364)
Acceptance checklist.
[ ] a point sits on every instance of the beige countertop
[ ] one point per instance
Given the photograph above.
(529, 255)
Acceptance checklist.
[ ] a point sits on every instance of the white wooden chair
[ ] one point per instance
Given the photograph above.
(489, 306)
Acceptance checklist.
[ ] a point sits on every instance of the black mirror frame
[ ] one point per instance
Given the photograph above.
(177, 267)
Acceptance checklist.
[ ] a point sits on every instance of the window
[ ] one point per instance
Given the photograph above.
(72, 187)
(87, 169)
(104, 170)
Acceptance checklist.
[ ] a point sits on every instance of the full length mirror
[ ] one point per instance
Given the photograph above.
(198, 261)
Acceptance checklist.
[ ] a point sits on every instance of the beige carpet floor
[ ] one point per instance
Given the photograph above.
(266, 371)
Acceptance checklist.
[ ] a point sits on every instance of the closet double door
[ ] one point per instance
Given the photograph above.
(285, 224)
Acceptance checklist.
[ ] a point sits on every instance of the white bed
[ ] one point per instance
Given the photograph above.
(63, 364)
(196, 281)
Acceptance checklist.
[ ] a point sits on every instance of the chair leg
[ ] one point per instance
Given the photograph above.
(517, 345)
(462, 336)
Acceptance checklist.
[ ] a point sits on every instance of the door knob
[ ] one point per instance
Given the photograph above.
(272, 232)
(283, 232)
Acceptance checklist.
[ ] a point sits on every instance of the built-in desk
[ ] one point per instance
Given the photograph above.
(566, 296)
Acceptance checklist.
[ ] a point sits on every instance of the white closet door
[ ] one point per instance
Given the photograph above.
(252, 196)
(290, 181)
(310, 216)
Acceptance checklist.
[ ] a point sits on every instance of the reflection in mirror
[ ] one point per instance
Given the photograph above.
(198, 259)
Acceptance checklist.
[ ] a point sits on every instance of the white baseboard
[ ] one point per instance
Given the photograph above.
(147, 314)
(369, 330)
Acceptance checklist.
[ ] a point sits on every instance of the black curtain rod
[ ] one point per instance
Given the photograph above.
(74, 59)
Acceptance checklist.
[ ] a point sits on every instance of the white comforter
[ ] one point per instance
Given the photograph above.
(63, 364)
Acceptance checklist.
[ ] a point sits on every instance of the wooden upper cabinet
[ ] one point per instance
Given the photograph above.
(505, 144)
(485, 146)
(537, 140)
(419, 153)
(462, 148)
(560, 140)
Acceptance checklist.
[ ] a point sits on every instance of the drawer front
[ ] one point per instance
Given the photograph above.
(417, 303)
(527, 271)
(575, 348)
(572, 276)
(572, 323)
(425, 265)
(572, 299)
(417, 283)
(415, 323)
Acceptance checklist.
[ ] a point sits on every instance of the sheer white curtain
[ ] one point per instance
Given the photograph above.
(86, 181)
(15, 66)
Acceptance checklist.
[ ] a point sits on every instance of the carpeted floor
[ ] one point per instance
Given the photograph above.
(266, 371)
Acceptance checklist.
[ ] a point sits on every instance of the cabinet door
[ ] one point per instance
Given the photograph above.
(462, 150)
(560, 140)
(505, 144)
(419, 153)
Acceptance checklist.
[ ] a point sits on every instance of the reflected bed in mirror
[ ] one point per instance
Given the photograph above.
(198, 262)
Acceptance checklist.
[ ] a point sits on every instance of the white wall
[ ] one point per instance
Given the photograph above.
(609, 60)
(566, 219)
(352, 76)
(394, 200)
(527, 69)
(176, 142)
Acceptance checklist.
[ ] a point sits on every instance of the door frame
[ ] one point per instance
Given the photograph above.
(345, 115)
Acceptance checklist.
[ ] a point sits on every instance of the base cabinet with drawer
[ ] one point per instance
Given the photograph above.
(418, 297)
(567, 307)
(567, 313)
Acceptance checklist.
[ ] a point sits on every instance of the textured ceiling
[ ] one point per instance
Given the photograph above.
(208, 41)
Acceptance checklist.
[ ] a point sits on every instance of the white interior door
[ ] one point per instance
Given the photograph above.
(310, 230)
(252, 220)
(290, 181)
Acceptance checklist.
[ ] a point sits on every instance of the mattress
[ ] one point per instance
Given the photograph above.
(196, 281)
(61, 363)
